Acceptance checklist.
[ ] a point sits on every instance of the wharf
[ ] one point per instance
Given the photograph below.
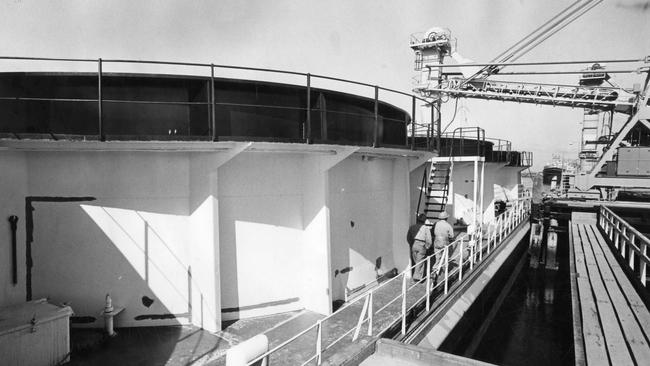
(611, 321)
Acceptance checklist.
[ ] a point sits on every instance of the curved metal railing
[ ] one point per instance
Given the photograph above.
(212, 104)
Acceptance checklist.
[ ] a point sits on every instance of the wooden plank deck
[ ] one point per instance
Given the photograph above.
(614, 324)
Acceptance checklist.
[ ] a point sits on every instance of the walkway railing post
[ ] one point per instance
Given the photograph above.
(630, 250)
(460, 261)
(428, 290)
(319, 341)
(413, 123)
(213, 106)
(375, 141)
(100, 114)
(472, 255)
(404, 304)
(370, 312)
(642, 263)
(308, 123)
(446, 269)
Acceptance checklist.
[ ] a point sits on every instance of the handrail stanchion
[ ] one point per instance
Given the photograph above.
(100, 117)
(446, 269)
(308, 121)
(361, 317)
(319, 341)
(413, 123)
(404, 303)
(213, 106)
(370, 312)
(460, 261)
(642, 263)
(630, 249)
(375, 140)
(472, 256)
(428, 290)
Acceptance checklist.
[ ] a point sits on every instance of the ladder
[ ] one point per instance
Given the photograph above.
(437, 188)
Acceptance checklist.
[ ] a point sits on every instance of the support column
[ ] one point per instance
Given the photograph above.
(315, 271)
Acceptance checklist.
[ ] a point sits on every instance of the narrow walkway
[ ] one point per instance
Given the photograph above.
(611, 322)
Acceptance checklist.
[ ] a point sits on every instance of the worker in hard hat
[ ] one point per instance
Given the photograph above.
(419, 240)
(443, 234)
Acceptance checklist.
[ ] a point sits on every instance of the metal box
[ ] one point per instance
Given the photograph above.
(34, 333)
(633, 161)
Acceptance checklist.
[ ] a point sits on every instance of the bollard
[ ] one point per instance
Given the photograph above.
(109, 313)
(108, 316)
(248, 350)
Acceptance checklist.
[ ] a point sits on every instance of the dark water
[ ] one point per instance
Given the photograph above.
(534, 324)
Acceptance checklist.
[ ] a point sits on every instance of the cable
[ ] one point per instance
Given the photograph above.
(558, 29)
(452, 118)
(535, 31)
(543, 36)
(517, 46)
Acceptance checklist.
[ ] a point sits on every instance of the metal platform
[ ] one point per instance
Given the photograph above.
(611, 322)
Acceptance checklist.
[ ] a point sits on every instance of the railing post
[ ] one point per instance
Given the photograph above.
(375, 141)
(404, 304)
(501, 227)
(370, 313)
(213, 106)
(413, 122)
(460, 261)
(308, 123)
(361, 317)
(446, 269)
(617, 238)
(472, 255)
(319, 341)
(428, 290)
(100, 114)
(630, 252)
(642, 263)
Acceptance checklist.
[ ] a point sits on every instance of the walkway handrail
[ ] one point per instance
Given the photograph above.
(472, 250)
(210, 67)
(628, 241)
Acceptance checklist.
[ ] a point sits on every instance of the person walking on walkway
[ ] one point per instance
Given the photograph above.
(419, 239)
(443, 233)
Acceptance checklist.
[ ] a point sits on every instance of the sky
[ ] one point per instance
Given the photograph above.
(363, 40)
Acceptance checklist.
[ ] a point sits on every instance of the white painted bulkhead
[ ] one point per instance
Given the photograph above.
(203, 236)
(500, 182)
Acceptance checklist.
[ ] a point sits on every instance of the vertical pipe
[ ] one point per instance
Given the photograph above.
(308, 108)
(481, 194)
(213, 106)
(13, 225)
(475, 198)
(100, 117)
(433, 127)
(375, 141)
(441, 55)
(413, 122)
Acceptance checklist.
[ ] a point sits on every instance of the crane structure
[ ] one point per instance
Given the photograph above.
(439, 81)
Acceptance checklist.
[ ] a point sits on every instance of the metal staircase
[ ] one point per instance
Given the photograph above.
(437, 188)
